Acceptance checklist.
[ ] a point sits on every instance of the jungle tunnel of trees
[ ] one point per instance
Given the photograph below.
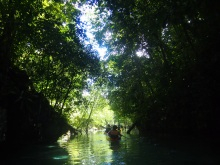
(161, 69)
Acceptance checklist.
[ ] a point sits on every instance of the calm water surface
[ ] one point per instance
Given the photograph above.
(95, 149)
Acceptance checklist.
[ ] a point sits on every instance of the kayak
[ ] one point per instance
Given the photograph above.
(112, 139)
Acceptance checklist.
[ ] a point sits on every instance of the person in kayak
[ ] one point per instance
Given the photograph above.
(114, 134)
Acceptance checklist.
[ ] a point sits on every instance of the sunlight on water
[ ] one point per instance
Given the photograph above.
(95, 149)
(61, 157)
(89, 149)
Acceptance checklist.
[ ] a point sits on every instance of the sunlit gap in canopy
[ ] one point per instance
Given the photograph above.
(87, 17)
(142, 53)
(143, 47)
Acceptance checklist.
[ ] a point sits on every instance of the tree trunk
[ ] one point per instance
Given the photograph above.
(132, 127)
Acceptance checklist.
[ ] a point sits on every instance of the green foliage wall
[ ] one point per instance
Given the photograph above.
(174, 85)
(41, 55)
(42, 38)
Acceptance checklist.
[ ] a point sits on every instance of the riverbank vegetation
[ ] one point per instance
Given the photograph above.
(161, 69)
(163, 62)
(43, 67)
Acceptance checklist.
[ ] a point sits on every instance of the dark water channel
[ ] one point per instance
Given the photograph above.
(95, 149)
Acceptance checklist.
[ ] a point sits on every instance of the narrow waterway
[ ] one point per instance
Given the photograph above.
(95, 149)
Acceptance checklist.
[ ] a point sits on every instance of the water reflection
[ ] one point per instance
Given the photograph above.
(91, 149)
(114, 145)
(95, 149)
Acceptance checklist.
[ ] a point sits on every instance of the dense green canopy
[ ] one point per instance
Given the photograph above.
(161, 69)
(163, 65)
(42, 38)
(42, 58)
